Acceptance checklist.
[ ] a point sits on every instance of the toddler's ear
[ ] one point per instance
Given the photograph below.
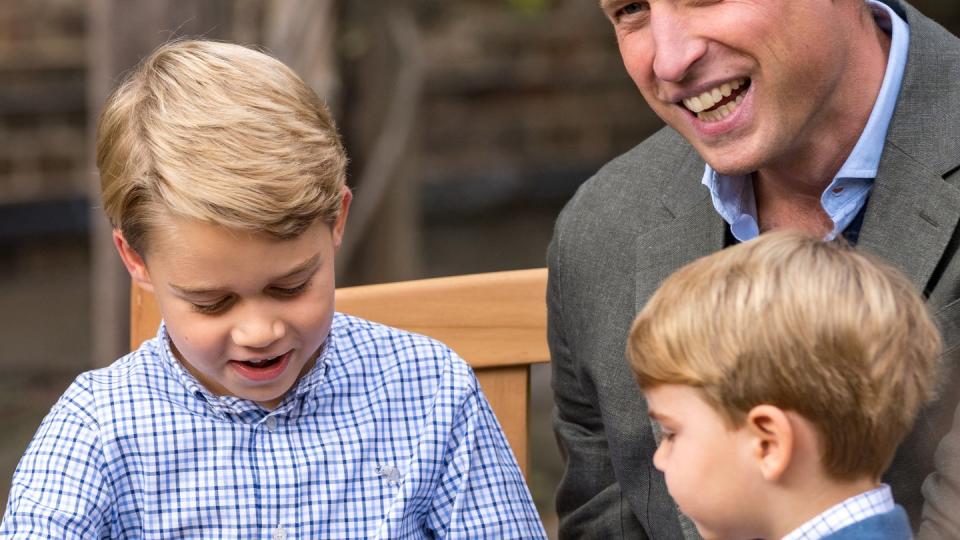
(133, 261)
(772, 440)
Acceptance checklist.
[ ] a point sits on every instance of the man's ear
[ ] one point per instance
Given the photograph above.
(772, 440)
(133, 261)
(341, 223)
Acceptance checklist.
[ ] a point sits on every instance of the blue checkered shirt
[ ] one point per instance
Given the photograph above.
(388, 436)
(856, 508)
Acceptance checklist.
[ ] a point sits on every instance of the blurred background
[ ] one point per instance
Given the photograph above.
(469, 123)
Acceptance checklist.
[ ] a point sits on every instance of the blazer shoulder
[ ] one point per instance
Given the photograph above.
(630, 188)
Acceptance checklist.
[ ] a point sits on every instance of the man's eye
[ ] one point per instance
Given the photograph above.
(212, 309)
(632, 8)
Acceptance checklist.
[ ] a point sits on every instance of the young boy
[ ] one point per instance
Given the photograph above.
(257, 411)
(782, 373)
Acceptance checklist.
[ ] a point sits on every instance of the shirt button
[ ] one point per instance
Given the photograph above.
(279, 534)
(837, 190)
(271, 424)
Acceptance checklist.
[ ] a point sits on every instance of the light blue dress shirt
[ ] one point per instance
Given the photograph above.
(388, 436)
(842, 200)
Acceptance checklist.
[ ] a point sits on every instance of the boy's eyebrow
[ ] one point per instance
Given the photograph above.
(308, 264)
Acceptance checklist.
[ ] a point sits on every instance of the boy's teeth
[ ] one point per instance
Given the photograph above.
(710, 98)
(260, 362)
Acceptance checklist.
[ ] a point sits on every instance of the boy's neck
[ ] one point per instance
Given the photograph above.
(794, 504)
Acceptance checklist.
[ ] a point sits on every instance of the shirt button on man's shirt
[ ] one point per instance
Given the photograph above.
(271, 423)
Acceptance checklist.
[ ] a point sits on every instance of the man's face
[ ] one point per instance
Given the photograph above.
(750, 83)
(246, 313)
(706, 465)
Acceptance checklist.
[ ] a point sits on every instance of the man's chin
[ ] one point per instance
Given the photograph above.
(731, 165)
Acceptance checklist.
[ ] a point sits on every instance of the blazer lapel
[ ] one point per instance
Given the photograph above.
(697, 229)
(913, 212)
(911, 216)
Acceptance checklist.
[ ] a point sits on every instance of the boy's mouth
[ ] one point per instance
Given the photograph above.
(262, 369)
(717, 103)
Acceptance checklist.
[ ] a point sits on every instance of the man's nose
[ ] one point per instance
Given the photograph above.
(257, 330)
(676, 47)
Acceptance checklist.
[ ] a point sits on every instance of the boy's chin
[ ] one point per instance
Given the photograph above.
(710, 534)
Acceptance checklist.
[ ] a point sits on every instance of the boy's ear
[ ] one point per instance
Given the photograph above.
(133, 261)
(772, 440)
(341, 223)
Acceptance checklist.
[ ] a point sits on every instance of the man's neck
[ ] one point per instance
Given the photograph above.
(788, 192)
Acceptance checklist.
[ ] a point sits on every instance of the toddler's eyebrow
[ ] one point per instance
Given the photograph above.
(659, 417)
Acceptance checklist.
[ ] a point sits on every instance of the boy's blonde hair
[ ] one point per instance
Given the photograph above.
(808, 326)
(219, 133)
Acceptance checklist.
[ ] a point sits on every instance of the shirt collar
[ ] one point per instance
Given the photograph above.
(733, 196)
(865, 157)
(857, 508)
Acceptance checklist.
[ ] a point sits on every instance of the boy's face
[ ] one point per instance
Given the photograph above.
(706, 465)
(247, 313)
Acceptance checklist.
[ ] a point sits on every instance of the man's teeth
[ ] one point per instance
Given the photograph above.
(720, 112)
(701, 105)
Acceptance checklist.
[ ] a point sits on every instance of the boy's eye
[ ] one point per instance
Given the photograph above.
(213, 308)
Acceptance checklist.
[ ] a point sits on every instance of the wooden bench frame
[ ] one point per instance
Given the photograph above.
(496, 321)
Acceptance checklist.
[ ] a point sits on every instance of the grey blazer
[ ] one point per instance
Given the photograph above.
(645, 214)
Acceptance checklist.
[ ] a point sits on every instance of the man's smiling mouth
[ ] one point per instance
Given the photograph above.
(718, 103)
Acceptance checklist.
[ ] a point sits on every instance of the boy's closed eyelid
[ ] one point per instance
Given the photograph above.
(213, 308)
(287, 292)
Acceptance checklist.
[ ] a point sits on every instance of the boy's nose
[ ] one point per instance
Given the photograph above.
(258, 332)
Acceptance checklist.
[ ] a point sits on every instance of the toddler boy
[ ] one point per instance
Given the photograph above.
(257, 411)
(782, 373)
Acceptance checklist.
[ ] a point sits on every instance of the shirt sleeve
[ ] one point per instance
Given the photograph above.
(481, 492)
(60, 490)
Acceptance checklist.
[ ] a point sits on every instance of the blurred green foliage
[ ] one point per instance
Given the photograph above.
(528, 7)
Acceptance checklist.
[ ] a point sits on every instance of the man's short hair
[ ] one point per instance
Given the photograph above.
(220, 133)
(814, 327)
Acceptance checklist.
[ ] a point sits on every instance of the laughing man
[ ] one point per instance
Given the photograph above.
(837, 117)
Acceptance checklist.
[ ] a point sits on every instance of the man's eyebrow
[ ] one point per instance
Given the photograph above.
(306, 265)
